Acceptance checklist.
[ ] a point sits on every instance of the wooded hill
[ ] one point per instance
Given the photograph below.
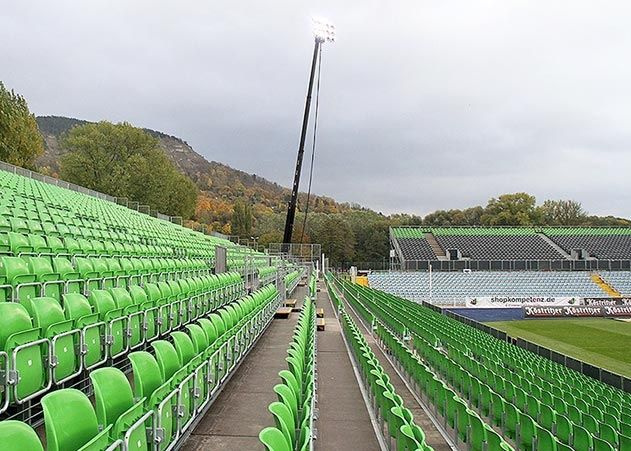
(220, 185)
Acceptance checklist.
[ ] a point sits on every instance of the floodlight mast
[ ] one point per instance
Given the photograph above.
(323, 32)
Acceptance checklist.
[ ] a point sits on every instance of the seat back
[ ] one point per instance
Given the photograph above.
(121, 297)
(102, 301)
(76, 305)
(167, 358)
(112, 395)
(147, 374)
(69, 418)
(184, 346)
(46, 312)
(18, 436)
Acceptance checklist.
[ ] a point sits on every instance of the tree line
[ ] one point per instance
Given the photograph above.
(362, 235)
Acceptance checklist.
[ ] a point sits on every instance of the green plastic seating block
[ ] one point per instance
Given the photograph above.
(286, 396)
(42, 268)
(274, 440)
(609, 434)
(18, 436)
(68, 273)
(155, 296)
(478, 433)
(511, 420)
(495, 441)
(49, 229)
(198, 337)
(87, 272)
(72, 245)
(209, 330)
(19, 243)
(625, 441)
(71, 422)
(545, 440)
(581, 438)
(602, 445)
(184, 346)
(146, 373)
(292, 382)
(102, 270)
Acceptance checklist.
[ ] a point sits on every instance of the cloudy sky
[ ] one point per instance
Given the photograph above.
(424, 104)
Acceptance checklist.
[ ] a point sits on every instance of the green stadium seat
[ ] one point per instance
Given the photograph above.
(51, 283)
(125, 302)
(104, 305)
(581, 438)
(115, 408)
(274, 440)
(18, 436)
(149, 384)
(22, 284)
(78, 309)
(71, 422)
(602, 445)
(21, 342)
(65, 340)
(284, 420)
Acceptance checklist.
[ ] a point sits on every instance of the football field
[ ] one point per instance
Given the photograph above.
(602, 342)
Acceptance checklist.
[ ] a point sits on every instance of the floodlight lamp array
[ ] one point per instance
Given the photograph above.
(323, 30)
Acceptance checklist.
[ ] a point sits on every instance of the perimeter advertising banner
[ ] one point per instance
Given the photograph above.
(518, 301)
(577, 311)
(607, 301)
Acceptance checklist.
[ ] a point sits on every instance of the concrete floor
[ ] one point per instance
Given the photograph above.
(240, 412)
(343, 422)
(235, 419)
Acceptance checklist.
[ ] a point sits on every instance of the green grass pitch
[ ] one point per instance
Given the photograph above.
(602, 342)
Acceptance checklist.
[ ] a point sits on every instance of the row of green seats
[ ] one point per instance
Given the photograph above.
(294, 410)
(170, 388)
(22, 278)
(532, 401)
(14, 243)
(392, 414)
(586, 231)
(46, 341)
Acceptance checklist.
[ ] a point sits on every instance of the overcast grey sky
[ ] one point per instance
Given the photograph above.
(424, 104)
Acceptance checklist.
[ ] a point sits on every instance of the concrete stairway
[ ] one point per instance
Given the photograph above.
(605, 286)
(433, 243)
(556, 247)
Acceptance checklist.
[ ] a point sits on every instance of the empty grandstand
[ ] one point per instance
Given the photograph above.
(122, 331)
(488, 393)
(512, 248)
(98, 300)
(451, 288)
